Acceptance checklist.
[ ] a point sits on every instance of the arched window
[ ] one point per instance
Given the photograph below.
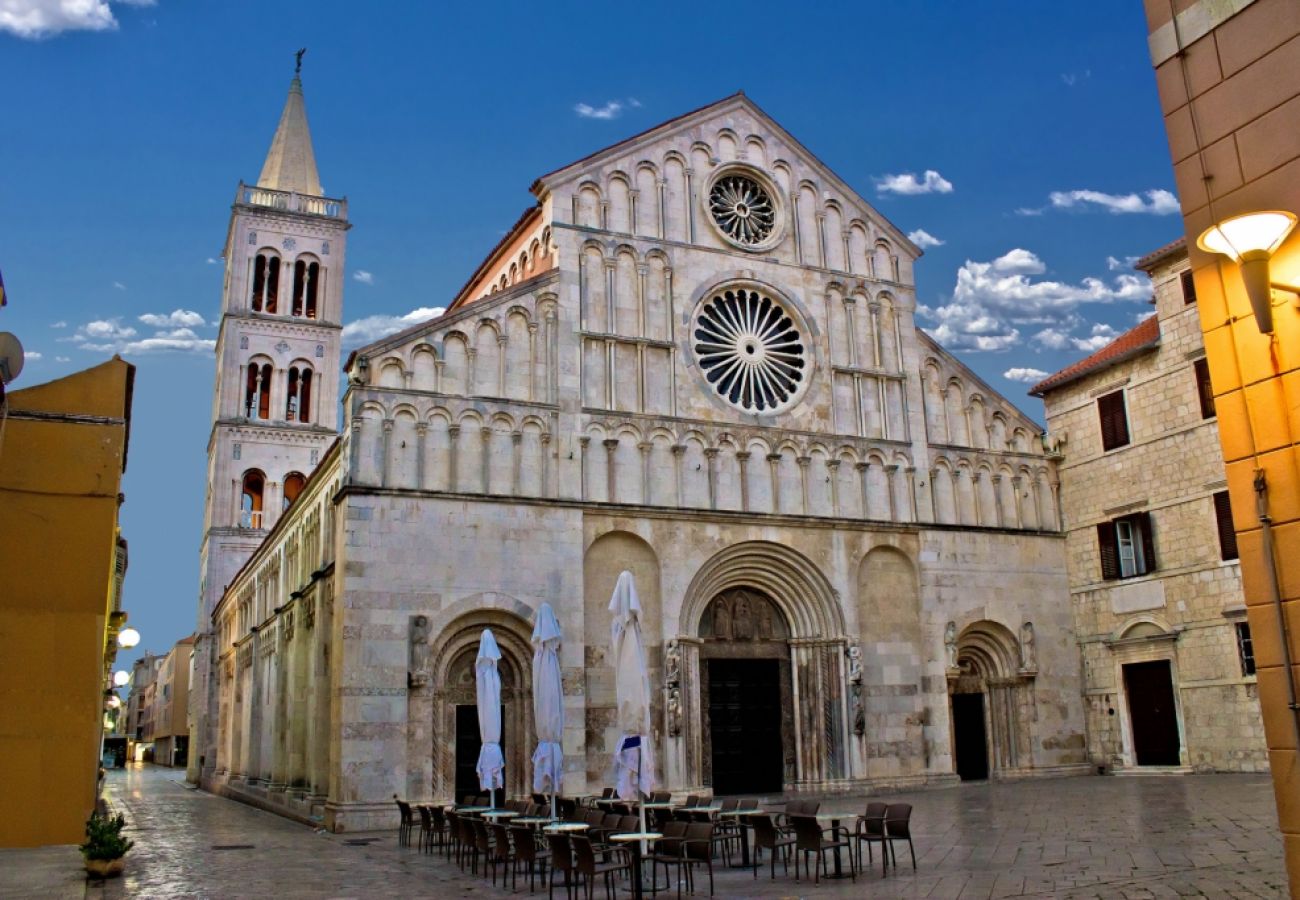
(305, 277)
(293, 484)
(257, 392)
(297, 406)
(250, 501)
(266, 282)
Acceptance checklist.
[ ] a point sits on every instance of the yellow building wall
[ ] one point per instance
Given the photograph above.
(1231, 104)
(61, 463)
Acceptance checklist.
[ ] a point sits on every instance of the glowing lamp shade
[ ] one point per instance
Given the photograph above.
(128, 638)
(120, 678)
(1249, 240)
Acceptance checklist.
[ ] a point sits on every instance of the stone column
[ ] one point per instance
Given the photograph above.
(711, 459)
(833, 476)
(453, 457)
(503, 345)
(774, 467)
(532, 361)
(1015, 488)
(997, 501)
(386, 475)
(584, 470)
(742, 458)
(645, 447)
(516, 450)
(803, 462)
(678, 450)
(611, 480)
(863, 468)
(485, 458)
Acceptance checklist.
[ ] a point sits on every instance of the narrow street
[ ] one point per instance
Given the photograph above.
(1212, 836)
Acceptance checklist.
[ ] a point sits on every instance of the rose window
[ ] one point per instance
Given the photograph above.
(750, 350)
(743, 209)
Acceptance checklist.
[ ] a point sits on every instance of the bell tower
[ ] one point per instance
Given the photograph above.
(275, 403)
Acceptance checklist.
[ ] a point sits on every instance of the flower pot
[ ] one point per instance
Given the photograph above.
(105, 868)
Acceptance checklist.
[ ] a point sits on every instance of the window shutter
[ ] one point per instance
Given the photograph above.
(1114, 422)
(1189, 288)
(1204, 390)
(1148, 541)
(1223, 518)
(1109, 550)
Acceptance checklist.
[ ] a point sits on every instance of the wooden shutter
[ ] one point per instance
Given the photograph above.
(1114, 422)
(1204, 390)
(1143, 521)
(1223, 518)
(1109, 550)
(1189, 288)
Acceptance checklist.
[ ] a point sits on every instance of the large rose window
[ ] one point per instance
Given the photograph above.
(750, 350)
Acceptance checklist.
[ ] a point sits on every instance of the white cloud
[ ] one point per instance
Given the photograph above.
(611, 110)
(36, 19)
(1073, 78)
(177, 318)
(1158, 202)
(1116, 264)
(111, 336)
(1028, 376)
(363, 276)
(59, 324)
(930, 182)
(923, 239)
(1102, 335)
(213, 261)
(634, 102)
(372, 328)
(31, 354)
(992, 302)
(119, 285)
(63, 359)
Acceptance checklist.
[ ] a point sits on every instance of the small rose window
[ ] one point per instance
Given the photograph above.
(742, 209)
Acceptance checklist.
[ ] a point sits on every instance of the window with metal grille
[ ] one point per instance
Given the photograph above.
(1189, 287)
(1114, 420)
(1204, 390)
(1245, 648)
(1223, 519)
(1127, 546)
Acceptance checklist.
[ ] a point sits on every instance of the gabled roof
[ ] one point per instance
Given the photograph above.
(291, 164)
(739, 100)
(1139, 339)
(1164, 254)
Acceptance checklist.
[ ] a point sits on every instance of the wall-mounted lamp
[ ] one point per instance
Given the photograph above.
(128, 638)
(1250, 240)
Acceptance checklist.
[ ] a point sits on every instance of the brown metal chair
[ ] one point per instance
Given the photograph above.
(406, 823)
(527, 851)
(697, 850)
(668, 853)
(809, 838)
(767, 837)
(438, 827)
(898, 827)
(561, 849)
(618, 862)
(500, 852)
(482, 844)
(871, 830)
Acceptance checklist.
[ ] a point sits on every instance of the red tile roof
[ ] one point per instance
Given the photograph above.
(1129, 344)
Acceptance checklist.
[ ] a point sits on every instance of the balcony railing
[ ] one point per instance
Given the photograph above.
(249, 519)
(291, 201)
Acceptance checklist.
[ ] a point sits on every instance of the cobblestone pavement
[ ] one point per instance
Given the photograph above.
(1208, 835)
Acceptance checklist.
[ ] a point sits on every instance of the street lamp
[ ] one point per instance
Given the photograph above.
(114, 701)
(121, 677)
(128, 638)
(1250, 240)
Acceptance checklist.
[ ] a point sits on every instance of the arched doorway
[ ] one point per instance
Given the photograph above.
(455, 704)
(745, 694)
(990, 702)
(761, 601)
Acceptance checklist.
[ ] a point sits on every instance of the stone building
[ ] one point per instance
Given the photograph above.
(694, 358)
(1155, 585)
(168, 718)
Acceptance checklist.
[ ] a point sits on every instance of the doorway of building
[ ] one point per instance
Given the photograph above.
(1149, 689)
(745, 722)
(468, 745)
(969, 738)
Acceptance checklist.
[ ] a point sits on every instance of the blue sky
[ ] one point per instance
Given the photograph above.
(127, 126)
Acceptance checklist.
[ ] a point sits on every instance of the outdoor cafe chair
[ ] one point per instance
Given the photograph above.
(692, 800)
(561, 849)
(406, 823)
(426, 828)
(810, 838)
(618, 862)
(437, 827)
(454, 844)
(767, 837)
(898, 827)
(500, 852)
(539, 799)
(467, 800)
(527, 852)
(482, 843)
(667, 852)
(871, 830)
(661, 797)
(697, 850)
(567, 807)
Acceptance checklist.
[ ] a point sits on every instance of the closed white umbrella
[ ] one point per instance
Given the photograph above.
(634, 761)
(491, 764)
(548, 705)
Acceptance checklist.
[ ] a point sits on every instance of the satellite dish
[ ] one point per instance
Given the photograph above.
(11, 357)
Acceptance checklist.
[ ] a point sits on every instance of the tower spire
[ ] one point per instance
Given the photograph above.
(291, 164)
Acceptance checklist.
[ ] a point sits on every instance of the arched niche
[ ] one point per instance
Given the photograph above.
(988, 659)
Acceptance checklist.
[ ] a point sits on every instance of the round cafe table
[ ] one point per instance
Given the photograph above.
(533, 821)
(634, 839)
(500, 814)
(566, 827)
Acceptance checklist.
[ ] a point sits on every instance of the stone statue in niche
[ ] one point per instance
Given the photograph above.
(742, 620)
(674, 711)
(1028, 662)
(419, 674)
(950, 644)
(673, 664)
(854, 653)
(722, 620)
(763, 619)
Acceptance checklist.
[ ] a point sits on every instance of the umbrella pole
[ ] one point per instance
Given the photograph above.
(553, 816)
(640, 802)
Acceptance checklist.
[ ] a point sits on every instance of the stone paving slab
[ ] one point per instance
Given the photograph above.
(1094, 837)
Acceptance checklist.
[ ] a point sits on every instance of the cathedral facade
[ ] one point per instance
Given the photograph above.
(694, 358)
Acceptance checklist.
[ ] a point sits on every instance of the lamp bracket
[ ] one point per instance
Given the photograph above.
(1289, 288)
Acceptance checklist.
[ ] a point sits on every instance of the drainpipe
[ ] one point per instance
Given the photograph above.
(1266, 525)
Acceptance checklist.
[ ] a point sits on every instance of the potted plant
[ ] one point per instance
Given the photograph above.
(105, 848)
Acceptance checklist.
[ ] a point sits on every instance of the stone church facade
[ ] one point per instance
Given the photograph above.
(695, 358)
